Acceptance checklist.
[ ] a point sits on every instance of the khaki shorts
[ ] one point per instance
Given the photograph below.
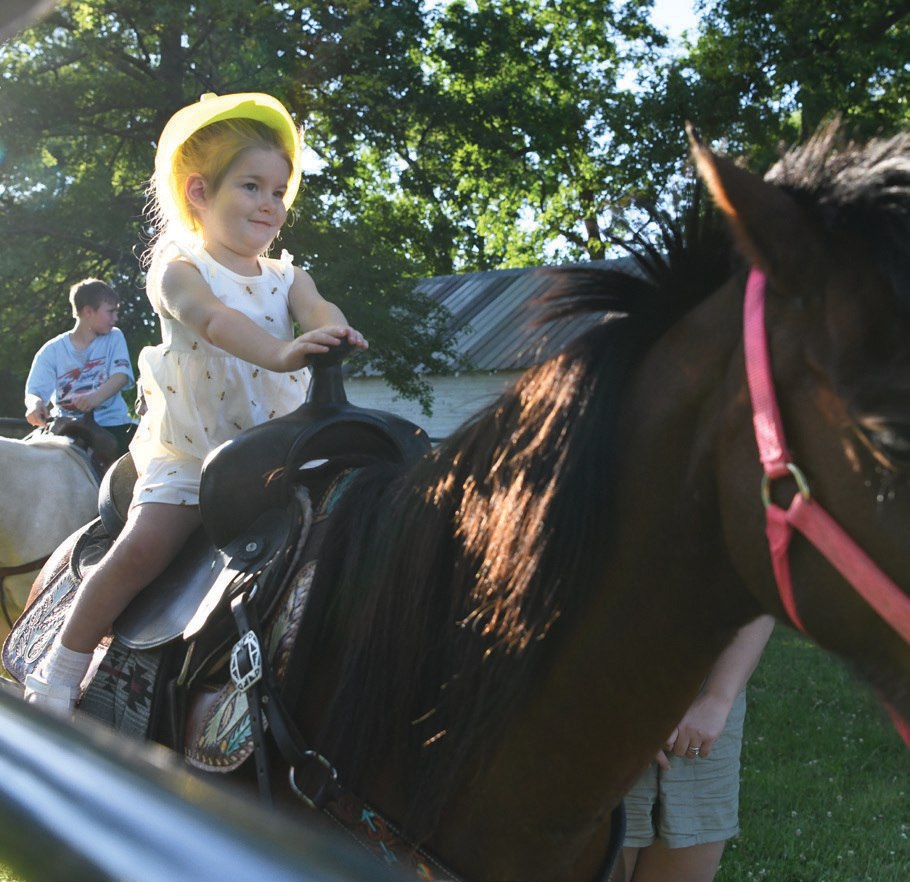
(697, 801)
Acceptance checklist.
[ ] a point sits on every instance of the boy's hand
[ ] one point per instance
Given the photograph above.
(82, 403)
(37, 416)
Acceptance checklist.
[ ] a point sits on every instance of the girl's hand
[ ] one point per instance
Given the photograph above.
(355, 338)
(296, 353)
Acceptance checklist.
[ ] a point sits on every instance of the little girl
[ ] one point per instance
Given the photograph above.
(226, 171)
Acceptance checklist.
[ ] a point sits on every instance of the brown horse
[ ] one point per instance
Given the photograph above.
(501, 635)
(508, 630)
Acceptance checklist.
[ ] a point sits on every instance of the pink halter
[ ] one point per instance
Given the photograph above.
(804, 514)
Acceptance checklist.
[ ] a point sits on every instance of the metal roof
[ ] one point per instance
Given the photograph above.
(491, 312)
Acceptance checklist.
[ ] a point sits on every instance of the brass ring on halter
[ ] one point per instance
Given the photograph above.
(801, 484)
(695, 750)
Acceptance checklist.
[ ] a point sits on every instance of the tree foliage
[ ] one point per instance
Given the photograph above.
(766, 73)
(470, 135)
(83, 98)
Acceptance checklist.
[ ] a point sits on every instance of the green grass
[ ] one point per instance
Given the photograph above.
(825, 793)
(825, 780)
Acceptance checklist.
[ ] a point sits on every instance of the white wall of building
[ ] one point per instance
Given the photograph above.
(455, 398)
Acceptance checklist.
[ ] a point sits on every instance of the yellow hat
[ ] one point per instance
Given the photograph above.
(212, 108)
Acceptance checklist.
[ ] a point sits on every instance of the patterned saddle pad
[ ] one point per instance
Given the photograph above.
(219, 734)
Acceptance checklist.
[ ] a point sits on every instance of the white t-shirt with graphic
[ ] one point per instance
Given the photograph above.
(59, 370)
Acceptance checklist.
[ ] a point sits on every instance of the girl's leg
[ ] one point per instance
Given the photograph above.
(152, 536)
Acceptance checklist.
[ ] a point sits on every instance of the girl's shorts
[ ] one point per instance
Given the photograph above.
(174, 481)
(697, 801)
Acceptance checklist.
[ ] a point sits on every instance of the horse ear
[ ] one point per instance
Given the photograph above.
(770, 229)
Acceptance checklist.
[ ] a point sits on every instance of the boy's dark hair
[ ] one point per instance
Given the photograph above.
(91, 292)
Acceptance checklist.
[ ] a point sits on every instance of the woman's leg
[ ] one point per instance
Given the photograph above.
(629, 859)
(692, 863)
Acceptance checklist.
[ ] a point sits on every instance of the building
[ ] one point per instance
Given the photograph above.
(491, 316)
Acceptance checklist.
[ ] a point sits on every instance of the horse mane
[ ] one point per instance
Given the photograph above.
(862, 189)
(446, 583)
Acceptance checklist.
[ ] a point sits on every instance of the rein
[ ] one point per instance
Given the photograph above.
(804, 513)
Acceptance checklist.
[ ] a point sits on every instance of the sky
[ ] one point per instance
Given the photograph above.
(675, 16)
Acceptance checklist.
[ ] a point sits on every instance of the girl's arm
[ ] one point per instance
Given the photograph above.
(314, 313)
(186, 297)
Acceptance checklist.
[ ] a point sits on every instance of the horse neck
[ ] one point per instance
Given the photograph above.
(665, 605)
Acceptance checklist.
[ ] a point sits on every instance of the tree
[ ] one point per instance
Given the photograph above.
(762, 74)
(513, 146)
(478, 134)
(83, 97)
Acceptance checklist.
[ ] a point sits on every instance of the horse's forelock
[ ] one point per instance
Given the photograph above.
(863, 190)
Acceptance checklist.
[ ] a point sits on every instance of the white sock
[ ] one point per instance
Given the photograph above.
(65, 667)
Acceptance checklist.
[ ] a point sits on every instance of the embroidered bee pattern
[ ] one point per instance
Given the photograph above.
(208, 376)
(172, 472)
(249, 290)
(256, 372)
(222, 397)
(195, 344)
(238, 427)
(188, 438)
(172, 390)
(268, 318)
(271, 414)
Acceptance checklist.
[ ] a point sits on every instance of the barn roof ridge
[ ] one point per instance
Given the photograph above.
(490, 315)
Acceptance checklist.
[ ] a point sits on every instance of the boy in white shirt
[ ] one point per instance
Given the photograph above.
(86, 369)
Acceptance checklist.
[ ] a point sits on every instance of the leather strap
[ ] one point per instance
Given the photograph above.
(246, 671)
(803, 513)
(16, 571)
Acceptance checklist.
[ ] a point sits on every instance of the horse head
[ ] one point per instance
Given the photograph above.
(829, 230)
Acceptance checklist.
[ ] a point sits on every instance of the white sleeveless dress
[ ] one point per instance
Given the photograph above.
(199, 396)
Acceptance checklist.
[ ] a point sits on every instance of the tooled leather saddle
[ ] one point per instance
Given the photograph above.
(160, 668)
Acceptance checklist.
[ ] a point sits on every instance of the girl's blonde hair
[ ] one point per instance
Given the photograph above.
(211, 152)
